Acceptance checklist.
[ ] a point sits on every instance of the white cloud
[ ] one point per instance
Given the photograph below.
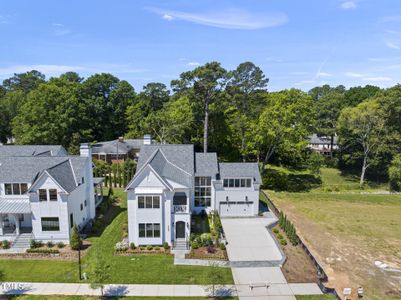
(60, 30)
(392, 45)
(354, 75)
(390, 19)
(228, 19)
(348, 5)
(323, 74)
(193, 64)
(167, 17)
(49, 70)
(377, 79)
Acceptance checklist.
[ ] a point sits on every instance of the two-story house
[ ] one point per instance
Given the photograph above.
(173, 181)
(44, 192)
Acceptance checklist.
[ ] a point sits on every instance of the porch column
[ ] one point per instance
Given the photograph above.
(1, 225)
(17, 231)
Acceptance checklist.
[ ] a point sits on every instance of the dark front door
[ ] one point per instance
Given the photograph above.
(180, 230)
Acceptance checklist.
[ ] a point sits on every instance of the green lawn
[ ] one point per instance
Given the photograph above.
(157, 269)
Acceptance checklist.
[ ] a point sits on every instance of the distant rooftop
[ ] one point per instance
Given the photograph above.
(32, 150)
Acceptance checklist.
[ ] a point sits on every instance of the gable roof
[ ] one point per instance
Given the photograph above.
(32, 150)
(242, 169)
(206, 164)
(27, 169)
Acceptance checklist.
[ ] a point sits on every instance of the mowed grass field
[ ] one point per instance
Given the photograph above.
(157, 269)
(348, 231)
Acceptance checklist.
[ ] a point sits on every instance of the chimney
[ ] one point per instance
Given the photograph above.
(147, 139)
(85, 150)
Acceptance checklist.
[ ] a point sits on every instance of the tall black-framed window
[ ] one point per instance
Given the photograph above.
(203, 191)
(50, 224)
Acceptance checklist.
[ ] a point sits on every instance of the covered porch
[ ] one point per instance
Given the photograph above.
(15, 218)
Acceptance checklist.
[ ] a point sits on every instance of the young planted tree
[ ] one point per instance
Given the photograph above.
(364, 126)
(75, 240)
(216, 278)
(203, 86)
(100, 274)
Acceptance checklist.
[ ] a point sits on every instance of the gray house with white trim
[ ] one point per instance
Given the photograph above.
(173, 181)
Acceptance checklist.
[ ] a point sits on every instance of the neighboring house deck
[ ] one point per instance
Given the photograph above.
(322, 144)
(173, 182)
(119, 150)
(44, 191)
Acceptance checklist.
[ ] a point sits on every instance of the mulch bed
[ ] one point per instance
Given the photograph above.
(298, 267)
(66, 253)
(202, 253)
(138, 251)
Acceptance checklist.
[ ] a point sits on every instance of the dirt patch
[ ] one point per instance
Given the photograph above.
(298, 268)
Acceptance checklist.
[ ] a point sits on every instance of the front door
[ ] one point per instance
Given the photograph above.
(180, 230)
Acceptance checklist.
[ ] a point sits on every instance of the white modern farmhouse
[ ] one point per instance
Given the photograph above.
(44, 191)
(173, 181)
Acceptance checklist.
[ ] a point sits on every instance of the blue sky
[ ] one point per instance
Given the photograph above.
(297, 43)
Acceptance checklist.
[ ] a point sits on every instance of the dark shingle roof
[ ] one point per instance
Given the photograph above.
(110, 147)
(315, 139)
(240, 170)
(206, 164)
(32, 150)
(26, 169)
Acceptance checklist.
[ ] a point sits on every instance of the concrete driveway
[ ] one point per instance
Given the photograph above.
(249, 240)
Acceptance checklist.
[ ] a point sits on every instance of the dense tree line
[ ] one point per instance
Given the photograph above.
(230, 112)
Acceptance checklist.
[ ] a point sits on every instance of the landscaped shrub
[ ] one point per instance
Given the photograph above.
(157, 248)
(195, 244)
(75, 241)
(5, 244)
(143, 248)
(149, 247)
(166, 246)
(222, 246)
(275, 230)
(283, 242)
(50, 244)
(122, 246)
(288, 228)
(211, 249)
(132, 246)
(206, 239)
(279, 236)
(60, 245)
(44, 251)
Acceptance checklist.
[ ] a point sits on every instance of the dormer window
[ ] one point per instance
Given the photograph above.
(237, 182)
(83, 180)
(53, 194)
(42, 195)
(15, 188)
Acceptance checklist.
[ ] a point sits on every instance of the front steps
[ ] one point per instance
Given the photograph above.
(22, 242)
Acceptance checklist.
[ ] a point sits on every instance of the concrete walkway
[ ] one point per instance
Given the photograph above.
(256, 260)
(154, 290)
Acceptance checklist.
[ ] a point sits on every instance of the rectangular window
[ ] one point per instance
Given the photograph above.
(86, 203)
(141, 202)
(50, 224)
(16, 189)
(53, 194)
(71, 220)
(149, 230)
(42, 195)
(203, 191)
(142, 232)
(24, 188)
(237, 182)
(82, 206)
(148, 201)
(156, 230)
(8, 188)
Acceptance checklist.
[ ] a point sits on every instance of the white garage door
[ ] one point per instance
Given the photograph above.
(236, 209)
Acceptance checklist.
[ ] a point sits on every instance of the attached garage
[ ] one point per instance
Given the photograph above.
(236, 209)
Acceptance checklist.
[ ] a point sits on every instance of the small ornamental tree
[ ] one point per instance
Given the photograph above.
(100, 274)
(75, 241)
